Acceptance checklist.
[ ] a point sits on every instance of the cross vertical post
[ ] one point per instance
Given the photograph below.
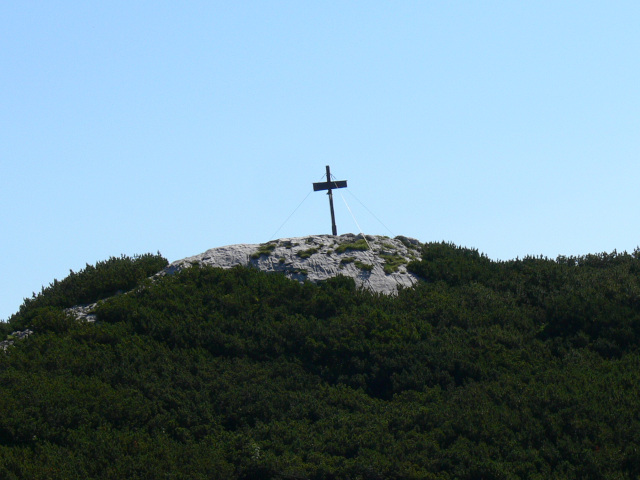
(334, 229)
(330, 185)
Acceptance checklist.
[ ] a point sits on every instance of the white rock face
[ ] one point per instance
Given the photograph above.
(83, 312)
(11, 339)
(375, 262)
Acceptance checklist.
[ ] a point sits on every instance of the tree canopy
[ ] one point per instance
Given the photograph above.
(520, 369)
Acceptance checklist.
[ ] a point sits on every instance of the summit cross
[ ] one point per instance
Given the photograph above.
(329, 185)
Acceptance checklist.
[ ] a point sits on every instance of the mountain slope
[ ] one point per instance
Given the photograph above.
(523, 369)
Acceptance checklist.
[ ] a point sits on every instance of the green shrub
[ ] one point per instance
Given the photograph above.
(392, 263)
(346, 260)
(50, 319)
(105, 279)
(519, 369)
(264, 249)
(363, 266)
(452, 264)
(359, 245)
(307, 253)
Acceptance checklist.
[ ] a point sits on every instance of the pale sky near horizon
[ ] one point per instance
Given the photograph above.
(134, 127)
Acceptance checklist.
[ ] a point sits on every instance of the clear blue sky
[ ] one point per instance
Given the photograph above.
(134, 127)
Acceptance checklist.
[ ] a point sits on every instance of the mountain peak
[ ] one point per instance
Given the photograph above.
(375, 262)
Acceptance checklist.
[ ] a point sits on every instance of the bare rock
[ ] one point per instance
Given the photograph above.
(375, 262)
(83, 312)
(13, 337)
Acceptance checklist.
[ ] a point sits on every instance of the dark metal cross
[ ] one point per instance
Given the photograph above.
(329, 185)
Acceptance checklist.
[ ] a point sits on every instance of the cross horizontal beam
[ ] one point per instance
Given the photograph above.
(329, 185)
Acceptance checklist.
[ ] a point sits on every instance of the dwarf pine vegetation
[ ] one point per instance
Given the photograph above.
(496, 370)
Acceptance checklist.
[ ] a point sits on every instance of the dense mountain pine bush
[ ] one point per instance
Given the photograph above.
(485, 370)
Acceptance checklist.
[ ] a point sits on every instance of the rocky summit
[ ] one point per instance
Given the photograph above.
(375, 262)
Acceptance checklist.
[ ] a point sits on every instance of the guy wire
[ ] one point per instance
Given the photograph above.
(291, 215)
(354, 219)
(372, 214)
(367, 209)
(294, 211)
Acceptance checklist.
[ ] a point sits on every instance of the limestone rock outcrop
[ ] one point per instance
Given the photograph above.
(375, 262)
(13, 337)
